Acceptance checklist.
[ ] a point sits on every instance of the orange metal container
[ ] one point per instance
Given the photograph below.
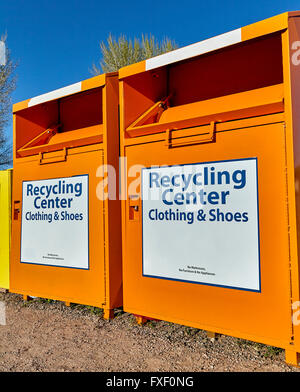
(66, 234)
(211, 131)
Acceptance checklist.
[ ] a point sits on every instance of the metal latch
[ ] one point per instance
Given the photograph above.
(17, 209)
(134, 207)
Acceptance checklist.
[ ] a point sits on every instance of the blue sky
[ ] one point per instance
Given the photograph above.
(56, 41)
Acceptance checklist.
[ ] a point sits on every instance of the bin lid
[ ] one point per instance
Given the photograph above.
(264, 27)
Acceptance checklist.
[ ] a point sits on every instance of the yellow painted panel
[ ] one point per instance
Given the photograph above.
(5, 224)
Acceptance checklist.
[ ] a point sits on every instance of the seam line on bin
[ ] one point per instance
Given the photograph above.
(288, 231)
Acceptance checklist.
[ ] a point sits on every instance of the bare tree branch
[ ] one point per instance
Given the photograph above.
(7, 86)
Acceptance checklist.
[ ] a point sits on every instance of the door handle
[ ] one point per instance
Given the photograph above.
(191, 136)
(134, 207)
(60, 158)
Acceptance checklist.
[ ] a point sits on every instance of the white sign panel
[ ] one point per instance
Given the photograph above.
(200, 223)
(55, 222)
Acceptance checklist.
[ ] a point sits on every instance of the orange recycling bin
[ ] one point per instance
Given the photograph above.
(66, 232)
(210, 135)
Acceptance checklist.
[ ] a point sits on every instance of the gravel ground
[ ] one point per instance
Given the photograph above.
(43, 335)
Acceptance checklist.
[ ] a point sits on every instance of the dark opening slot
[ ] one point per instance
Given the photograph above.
(81, 110)
(239, 68)
(235, 69)
(49, 123)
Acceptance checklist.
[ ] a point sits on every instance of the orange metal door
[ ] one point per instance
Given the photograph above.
(261, 316)
(86, 286)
